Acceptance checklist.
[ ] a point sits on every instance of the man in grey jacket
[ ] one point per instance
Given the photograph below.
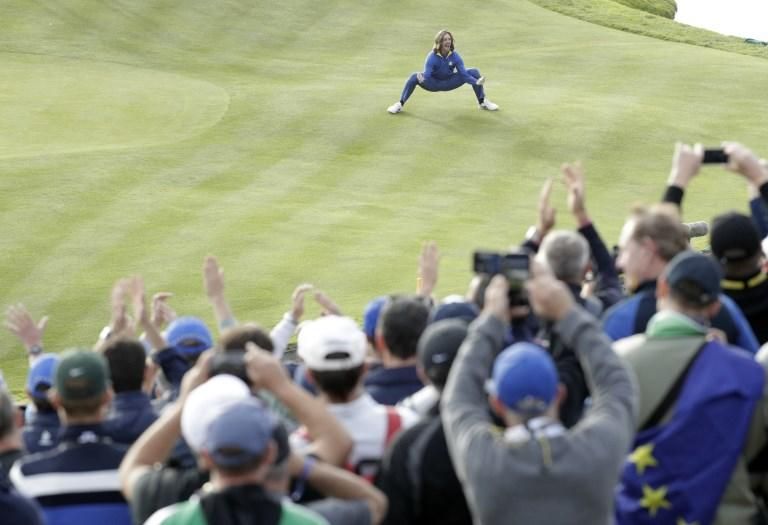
(536, 471)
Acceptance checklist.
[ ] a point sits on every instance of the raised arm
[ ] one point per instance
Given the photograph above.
(608, 285)
(330, 442)
(19, 322)
(686, 163)
(459, 63)
(213, 281)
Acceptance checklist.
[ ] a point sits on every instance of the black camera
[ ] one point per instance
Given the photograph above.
(515, 266)
(230, 362)
(715, 156)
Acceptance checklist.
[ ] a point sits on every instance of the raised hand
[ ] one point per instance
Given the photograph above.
(573, 178)
(742, 161)
(429, 261)
(120, 322)
(297, 307)
(213, 278)
(686, 162)
(327, 305)
(546, 220)
(162, 313)
(549, 297)
(19, 322)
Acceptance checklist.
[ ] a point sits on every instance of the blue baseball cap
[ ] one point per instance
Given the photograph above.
(240, 433)
(41, 375)
(189, 336)
(524, 379)
(371, 316)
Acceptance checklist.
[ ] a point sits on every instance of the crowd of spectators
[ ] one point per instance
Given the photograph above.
(598, 388)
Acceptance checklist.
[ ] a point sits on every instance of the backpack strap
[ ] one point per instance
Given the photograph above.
(674, 391)
(394, 424)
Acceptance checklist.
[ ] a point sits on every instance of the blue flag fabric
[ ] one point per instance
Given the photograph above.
(677, 471)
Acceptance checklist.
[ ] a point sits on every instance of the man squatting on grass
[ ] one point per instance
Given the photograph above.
(444, 71)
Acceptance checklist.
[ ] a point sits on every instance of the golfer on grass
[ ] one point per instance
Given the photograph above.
(444, 71)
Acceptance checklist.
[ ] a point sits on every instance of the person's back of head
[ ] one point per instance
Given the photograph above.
(236, 338)
(438, 347)
(402, 322)
(126, 358)
(82, 386)
(735, 243)
(691, 284)
(566, 254)
(9, 418)
(524, 384)
(40, 380)
(333, 349)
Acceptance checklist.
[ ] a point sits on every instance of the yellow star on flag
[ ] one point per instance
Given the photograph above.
(681, 521)
(643, 458)
(653, 500)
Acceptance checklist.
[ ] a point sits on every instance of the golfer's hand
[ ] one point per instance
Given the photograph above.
(420, 77)
(481, 81)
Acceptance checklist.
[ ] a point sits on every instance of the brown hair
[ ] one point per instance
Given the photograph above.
(439, 38)
(236, 338)
(660, 223)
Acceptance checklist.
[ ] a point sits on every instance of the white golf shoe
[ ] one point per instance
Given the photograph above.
(488, 105)
(397, 107)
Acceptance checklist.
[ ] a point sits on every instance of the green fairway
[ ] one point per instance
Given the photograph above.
(137, 137)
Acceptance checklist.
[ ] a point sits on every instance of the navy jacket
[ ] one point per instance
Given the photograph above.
(131, 414)
(77, 482)
(388, 386)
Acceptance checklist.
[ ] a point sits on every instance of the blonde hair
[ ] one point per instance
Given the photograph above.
(660, 223)
(439, 37)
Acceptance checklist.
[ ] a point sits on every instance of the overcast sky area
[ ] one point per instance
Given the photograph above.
(744, 18)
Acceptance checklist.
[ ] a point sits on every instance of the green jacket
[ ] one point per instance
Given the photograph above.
(190, 513)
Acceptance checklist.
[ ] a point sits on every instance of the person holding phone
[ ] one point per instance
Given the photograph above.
(444, 71)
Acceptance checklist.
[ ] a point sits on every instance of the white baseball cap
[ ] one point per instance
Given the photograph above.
(332, 343)
(205, 403)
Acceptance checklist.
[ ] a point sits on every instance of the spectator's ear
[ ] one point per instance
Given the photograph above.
(497, 406)
(204, 461)
(662, 288)
(378, 341)
(18, 418)
(309, 377)
(561, 395)
(712, 309)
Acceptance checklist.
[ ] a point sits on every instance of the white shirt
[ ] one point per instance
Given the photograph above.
(366, 422)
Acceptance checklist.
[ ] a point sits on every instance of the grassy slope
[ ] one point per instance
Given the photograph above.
(140, 136)
(650, 18)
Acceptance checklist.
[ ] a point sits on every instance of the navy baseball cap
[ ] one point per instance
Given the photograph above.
(695, 277)
(189, 336)
(734, 237)
(41, 375)
(240, 433)
(463, 310)
(438, 346)
(525, 379)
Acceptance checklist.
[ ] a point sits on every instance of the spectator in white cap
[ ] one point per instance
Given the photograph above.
(334, 349)
(238, 448)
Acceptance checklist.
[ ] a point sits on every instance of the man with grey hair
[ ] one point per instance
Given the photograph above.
(566, 255)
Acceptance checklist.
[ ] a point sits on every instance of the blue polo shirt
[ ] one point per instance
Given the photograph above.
(77, 482)
(41, 433)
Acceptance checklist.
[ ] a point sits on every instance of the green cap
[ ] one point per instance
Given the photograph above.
(81, 374)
